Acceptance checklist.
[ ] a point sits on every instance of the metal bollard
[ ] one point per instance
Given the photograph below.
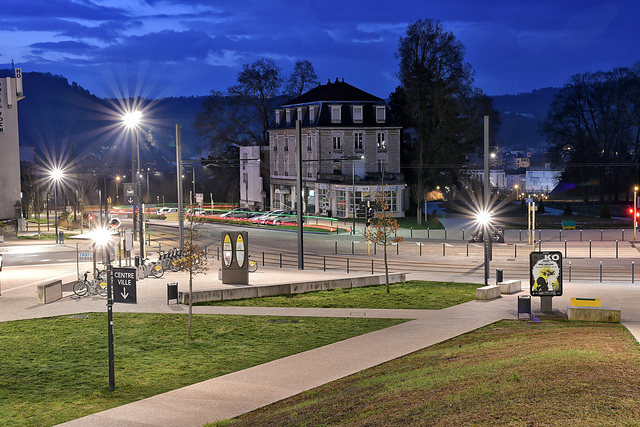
(427, 233)
(565, 248)
(515, 250)
(601, 235)
(324, 263)
(616, 249)
(633, 271)
(412, 232)
(445, 234)
(352, 248)
(569, 270)
(372, 267)
(589, 248)
(600, 271)
(420, 248)
(560, 235)
(622, 235)
(263, 258)
(443, 254)
(467, 249)
(280, 259)
(336, 248)
(581, 235)
(520, 235)
(347, 265)
(463, 234)
(397, 248)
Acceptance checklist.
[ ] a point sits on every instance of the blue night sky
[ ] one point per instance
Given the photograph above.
(160, 48)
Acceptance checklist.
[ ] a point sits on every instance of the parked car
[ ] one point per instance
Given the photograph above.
(285, 217)
(238, 213)
(262, 218)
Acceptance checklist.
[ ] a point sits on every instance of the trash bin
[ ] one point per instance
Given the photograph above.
(524, 304)
(499, 275)
(61, 237)
(172, 292)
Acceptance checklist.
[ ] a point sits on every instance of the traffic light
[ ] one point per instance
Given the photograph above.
(369, 215)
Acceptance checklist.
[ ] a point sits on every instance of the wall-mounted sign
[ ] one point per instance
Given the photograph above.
(545, 273)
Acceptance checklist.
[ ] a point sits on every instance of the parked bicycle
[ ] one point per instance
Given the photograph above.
(92, 287)
(155, 267)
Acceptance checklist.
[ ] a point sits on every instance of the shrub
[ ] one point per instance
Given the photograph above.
(604, 213)
(567, 211)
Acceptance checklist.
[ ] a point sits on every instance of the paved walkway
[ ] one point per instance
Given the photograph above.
(243, 391)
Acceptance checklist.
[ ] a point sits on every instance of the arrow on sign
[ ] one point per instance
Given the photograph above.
(124, 294)
(130, 200)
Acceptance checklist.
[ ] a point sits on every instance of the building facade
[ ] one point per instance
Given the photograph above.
(10, 94)
(254, 177)
(350, 151)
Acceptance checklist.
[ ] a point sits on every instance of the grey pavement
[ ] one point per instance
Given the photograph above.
(240, 392)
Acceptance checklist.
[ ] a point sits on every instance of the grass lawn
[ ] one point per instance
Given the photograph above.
(56, 369)
(409, 295)
(511, 373)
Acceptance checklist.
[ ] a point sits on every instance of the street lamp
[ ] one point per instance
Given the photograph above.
(484, 219)
(131, 120)
(56, 174)
(635, 210)
(118, 178)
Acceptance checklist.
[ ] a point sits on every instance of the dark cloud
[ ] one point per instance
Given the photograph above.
(513, 46)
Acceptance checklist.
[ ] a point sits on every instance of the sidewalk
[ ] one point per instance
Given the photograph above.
(243, 391)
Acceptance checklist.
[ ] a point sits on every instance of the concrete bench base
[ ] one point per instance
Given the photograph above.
(510, 286)
(488, 292)
(49, 292)
(594, 314)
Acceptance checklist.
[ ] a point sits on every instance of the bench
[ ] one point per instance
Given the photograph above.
(568, 225)
(488, 292)
(510, 286)
(49, 292)
(594, 314)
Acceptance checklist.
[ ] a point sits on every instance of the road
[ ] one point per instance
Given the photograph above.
(421, 251)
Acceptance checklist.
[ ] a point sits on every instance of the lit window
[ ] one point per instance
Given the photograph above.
(357, 141)
(382, 141)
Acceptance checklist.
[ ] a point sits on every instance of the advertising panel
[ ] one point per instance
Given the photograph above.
(545, 273)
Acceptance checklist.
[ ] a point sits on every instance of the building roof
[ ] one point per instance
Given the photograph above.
(337, 91)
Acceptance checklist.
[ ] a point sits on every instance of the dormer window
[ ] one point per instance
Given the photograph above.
(381, 114)
(288, 115)
(357, 113)
(312, 113)
(278, 117)
(300, 113)
(336, 114)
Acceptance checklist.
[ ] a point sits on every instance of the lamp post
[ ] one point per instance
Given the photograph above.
(131, 120)
(56, 174)
(635, 210)
(117, 184)
(484, 218)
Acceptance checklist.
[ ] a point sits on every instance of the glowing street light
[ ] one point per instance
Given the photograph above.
(56, 175)
(484, 219)
(131, 119)
(635, 210)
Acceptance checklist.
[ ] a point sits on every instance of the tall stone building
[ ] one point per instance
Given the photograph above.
(350, 150)
(10, 94)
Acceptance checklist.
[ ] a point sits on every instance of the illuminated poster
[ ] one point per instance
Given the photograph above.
(227, 250)
(240, 250)
(545, 273)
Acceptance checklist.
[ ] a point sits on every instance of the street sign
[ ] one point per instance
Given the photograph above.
(129, 192)
(85, 256)
(124, 285)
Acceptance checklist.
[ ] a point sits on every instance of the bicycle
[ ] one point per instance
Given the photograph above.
(156, 268)
(92, 287)
(252, 266)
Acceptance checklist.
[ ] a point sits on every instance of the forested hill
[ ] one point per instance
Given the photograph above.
(521, 117)
(56, 113)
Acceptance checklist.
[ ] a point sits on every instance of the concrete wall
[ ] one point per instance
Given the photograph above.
(288, 288)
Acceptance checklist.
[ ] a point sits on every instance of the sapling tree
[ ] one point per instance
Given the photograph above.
(194, 261)
(383, 229)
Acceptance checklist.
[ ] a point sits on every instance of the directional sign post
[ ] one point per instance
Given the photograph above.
(129, 192)
(124, 285)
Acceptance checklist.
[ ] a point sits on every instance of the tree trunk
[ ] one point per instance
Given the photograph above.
(190, 302)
